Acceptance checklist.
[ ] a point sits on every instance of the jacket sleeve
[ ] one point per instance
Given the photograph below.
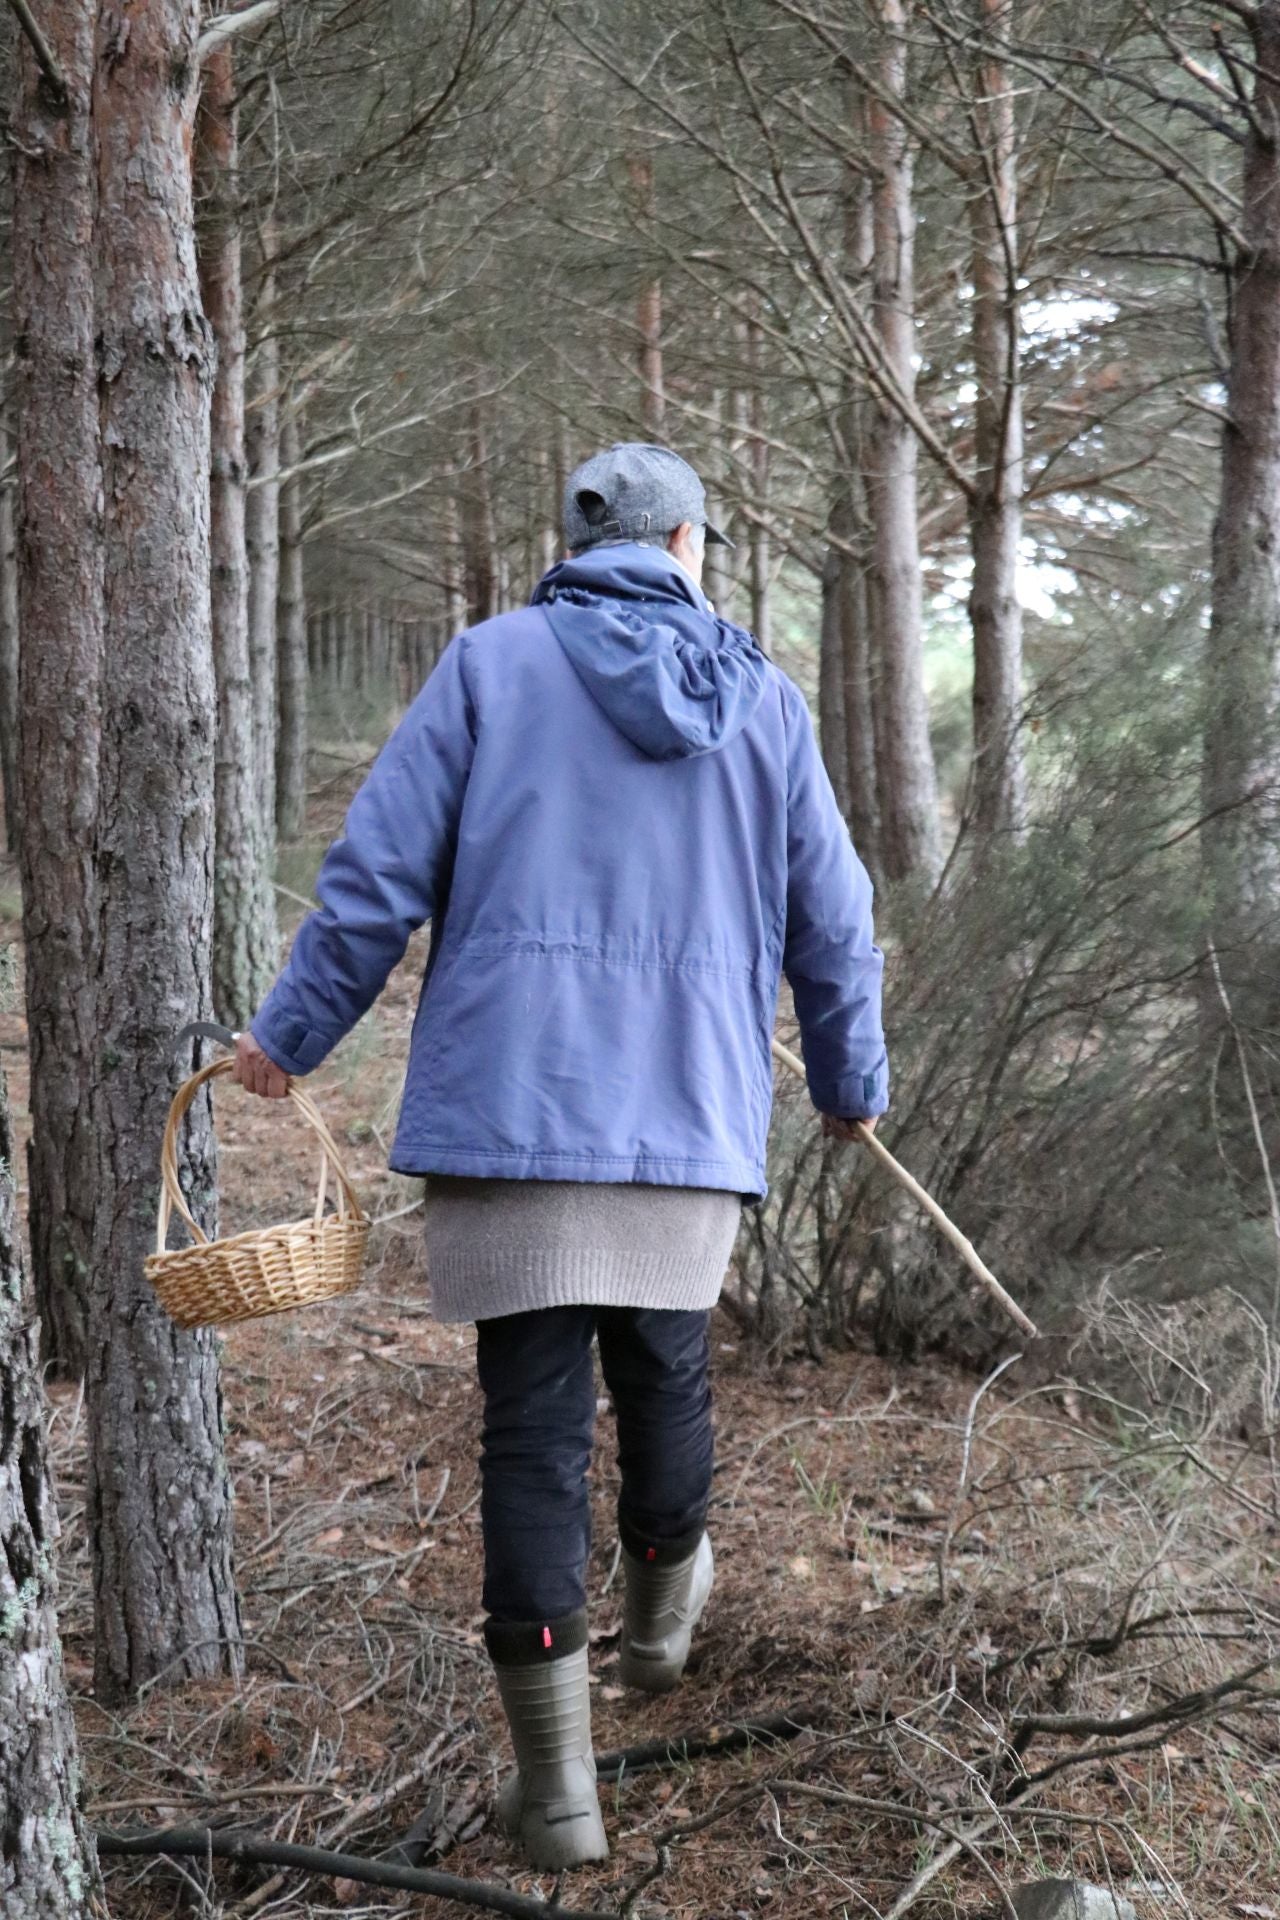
(829, 953)
(382, 879)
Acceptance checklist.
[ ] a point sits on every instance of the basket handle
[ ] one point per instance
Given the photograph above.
(172, 1197)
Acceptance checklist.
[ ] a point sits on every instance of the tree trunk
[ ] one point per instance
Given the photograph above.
(47, 1864)
(455, 596)
(759, 535)
(1241, 834)
(995, 511)
(907, 787)
(653, 399)
(546, 517)
(59, 507)
(729, 564)
(851, 536)
(716, 577)
(831, 720)
(858, 699)
(262, 541)
(349, 651)
(9, 654)
(158, 1506)
(479, 538)
(245, 936)
(292, 689)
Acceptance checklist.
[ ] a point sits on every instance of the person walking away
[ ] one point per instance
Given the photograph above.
(612, 809)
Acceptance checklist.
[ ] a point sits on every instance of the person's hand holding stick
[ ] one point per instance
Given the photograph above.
(864, 1132)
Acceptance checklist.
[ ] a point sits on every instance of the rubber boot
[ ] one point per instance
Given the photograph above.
(549, 1804)
(664, 1602)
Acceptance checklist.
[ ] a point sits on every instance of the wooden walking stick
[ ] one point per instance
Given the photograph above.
(947, 1227)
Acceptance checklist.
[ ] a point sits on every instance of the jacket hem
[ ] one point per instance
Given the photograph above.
(504, 1163)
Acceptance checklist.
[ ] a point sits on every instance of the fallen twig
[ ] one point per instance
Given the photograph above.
(892, 1810)
(226, 1844)
(728, 1737)
(1188, 1706)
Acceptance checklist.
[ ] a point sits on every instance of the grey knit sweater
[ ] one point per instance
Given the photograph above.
(503, 1246)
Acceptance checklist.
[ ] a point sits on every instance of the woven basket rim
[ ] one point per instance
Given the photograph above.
(259, 1236)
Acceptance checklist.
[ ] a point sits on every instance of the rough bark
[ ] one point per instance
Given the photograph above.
(59, 506)
(158, 1502)
(995, 510)
(262, 541)
(9, 653)
(1241, 836)
(245, 935)
(291, 686)
(47, 1865)
(906, 783)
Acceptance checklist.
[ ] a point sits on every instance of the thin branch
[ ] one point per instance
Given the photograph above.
(1188, 1706)
(224, 26)
(1169, 163)
(40, 47)
(728, 1736)
(226, 1844)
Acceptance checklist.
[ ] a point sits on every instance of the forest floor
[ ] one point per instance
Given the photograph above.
(1001, 1615)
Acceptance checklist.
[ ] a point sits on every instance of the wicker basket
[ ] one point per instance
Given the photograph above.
(268, 1269)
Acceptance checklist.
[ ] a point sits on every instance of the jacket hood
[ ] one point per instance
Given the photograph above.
(671, 675)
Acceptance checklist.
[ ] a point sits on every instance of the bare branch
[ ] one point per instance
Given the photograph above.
(203, 1843)
(224, 26)
(40, 47)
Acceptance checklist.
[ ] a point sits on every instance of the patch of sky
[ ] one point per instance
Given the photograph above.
(1062, 316)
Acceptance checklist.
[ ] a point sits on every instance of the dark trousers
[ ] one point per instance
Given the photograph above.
(539, 1415)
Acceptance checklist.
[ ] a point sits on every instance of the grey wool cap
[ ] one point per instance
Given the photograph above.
(632, 490)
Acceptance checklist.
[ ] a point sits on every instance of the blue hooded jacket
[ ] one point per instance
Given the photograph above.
(612, 808)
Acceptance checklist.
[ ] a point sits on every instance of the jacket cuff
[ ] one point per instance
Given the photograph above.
(293, 1047)
(854, 1096)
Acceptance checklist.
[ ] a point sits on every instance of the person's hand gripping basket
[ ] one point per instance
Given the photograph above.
(267, 1269)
